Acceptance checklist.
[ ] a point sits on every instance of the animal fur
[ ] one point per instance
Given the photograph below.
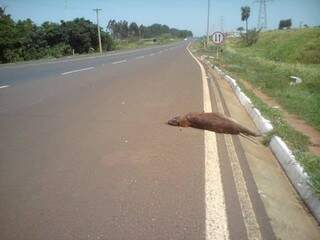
(215, 122)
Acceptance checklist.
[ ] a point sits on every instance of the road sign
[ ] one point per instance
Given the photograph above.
(218, 38)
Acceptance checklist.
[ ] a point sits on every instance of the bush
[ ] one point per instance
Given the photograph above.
(59, 50)
(253, 36)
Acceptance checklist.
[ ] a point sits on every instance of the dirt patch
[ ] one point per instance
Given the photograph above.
(293, 120)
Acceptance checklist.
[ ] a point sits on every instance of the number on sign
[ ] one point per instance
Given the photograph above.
(218, 38)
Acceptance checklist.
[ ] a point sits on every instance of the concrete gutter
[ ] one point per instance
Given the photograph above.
(295, 172)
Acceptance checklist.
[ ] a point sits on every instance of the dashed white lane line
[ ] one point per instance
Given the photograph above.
(216, 216)
(151, 54)
(140, 57)
(118, 62)
(78, 70)
(4, 86)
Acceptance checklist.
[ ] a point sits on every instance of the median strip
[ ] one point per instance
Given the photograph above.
(78, 70)
(118, 62)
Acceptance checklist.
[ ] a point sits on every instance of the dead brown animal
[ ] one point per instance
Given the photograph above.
(215, 122)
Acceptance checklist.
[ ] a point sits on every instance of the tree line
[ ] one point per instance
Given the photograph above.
(122, 30)
(24, 40)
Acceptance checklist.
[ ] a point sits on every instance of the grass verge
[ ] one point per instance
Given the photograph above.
(296, 141)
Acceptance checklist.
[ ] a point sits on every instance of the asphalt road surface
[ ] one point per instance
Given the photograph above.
(85, 153)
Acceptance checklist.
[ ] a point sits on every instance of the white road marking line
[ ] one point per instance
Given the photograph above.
(151, 54)
(4, 86)
(140, 57)
(248, 214)
(118, 62)
(250, 220)
(78, 70)
(216, 216)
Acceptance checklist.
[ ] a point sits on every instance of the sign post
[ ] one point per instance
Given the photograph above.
(218, 39)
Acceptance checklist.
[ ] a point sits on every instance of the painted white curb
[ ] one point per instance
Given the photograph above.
(297, 176)
(293, 169)
(262, 124)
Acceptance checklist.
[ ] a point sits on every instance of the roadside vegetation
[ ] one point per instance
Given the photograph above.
(131, 35)
(270, 62)
(23, 40)
(268, 65)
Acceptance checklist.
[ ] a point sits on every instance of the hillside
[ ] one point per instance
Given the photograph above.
(270, 62)
(290, 46)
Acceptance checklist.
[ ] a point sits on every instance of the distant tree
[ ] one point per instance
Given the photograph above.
(107, 41)
(2, 12)
(245, 14)
(123, 29)
(24, 40)
(286, 23)
(141, 31)
(8, 39)
(112, 27)
(133, 29)
(240, 29)
(53, 33)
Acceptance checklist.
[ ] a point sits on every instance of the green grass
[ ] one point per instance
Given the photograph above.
(296, 141)
(273, 77)
(290, 46)
(141, 43)
(258, 65)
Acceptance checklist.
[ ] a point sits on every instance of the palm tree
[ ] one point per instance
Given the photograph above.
(245, 14)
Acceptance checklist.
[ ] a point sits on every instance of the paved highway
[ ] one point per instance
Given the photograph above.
(85, 154)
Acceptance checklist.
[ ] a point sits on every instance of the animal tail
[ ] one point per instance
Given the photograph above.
(250, 138)
(246, 131)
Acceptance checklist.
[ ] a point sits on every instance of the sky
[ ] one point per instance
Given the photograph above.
(182, 14)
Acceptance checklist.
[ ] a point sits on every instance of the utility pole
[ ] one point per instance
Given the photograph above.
(221, 24)
(99, 36)
(208, 21)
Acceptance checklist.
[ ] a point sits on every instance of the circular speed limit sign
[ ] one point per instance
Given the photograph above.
(218, 38)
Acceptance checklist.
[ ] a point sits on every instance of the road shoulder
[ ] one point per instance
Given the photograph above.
(288, 216)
